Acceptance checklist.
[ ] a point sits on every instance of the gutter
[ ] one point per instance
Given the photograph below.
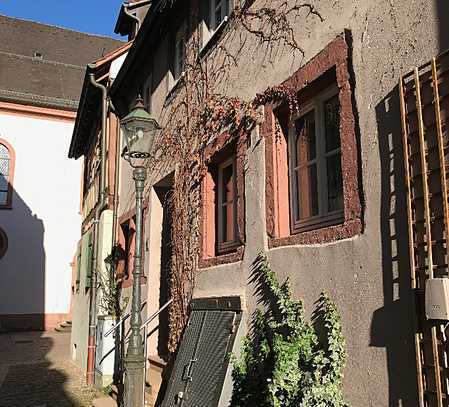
(95, 260)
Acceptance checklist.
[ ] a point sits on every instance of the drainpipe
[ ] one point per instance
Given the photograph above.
(116, 182)
(95, 260)
(127, 6)
(132, 16)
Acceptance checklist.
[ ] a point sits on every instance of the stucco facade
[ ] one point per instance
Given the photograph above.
(366, 272)
(42, 223)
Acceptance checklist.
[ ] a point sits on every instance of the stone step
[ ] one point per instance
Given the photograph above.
(104, 401)
(62, 329)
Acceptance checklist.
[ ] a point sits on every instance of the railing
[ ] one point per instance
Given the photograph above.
(122, 320)
(144, 326)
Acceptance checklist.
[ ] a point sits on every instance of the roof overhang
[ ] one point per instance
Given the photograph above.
(128, 81)
(90, 103)
(124, 23)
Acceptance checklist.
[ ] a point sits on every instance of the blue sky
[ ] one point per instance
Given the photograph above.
(90, 16)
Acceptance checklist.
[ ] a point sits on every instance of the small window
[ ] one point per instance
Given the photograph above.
(226, 206)
(214, 13)
(128, 237)
(219, 10)
(6, 174)
(316, 183)
(179, 54)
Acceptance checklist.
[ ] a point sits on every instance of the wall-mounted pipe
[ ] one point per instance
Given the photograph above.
(131, 6)
(95, 260)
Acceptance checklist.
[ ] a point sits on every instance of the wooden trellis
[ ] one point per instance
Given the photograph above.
(424, 96)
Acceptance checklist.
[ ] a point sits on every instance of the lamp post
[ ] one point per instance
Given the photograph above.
(138, 129)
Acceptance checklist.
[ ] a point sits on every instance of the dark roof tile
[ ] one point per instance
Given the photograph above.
(58, 74)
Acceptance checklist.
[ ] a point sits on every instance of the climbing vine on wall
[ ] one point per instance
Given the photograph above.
(287, 362)
(199, 109)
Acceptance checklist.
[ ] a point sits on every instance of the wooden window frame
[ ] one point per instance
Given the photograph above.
(324, 217)
(330, 66)
(225, 9)
(179, 60)
(228, 246)
(219, 151)
(12, 164)
(208, 25)
(127, 280)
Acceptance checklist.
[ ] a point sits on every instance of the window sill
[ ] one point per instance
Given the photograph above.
(232, 257)
(318, 222)
(208, 45)
(323, 235)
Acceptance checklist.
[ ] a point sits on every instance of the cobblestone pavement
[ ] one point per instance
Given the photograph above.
(36, 371)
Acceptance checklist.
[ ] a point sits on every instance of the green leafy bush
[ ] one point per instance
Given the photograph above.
(286, 361)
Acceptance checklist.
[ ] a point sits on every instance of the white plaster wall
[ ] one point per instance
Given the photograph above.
(43, 225)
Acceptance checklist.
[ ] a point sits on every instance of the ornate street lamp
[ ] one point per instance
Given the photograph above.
(139, 130)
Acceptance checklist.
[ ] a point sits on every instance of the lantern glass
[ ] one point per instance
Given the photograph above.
(139, 130)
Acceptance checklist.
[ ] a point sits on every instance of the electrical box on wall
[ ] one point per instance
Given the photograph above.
(437, 298)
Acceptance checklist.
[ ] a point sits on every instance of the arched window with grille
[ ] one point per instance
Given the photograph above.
(7, 160)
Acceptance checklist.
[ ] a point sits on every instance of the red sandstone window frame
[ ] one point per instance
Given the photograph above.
(331, 65)
(12, 164)
(127, 263)
(218, 153)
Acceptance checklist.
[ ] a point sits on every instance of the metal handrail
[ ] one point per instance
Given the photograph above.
(150, 318)
(124, 318)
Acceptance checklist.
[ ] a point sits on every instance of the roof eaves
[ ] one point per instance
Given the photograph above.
(146, 30)
(38, 100)
(123, 24)
(75, 149)
(109, 57)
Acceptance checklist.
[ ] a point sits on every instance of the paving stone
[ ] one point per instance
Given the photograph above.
(36, 371)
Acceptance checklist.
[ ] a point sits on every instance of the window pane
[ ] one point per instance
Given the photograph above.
(3, 198)
(4, 166)
(307, 185)
(227, 223)
(228, 184)
(227, 208)
(305, 141)
(219, 13)
(334, 183)
(4, 153)
(3, 183)
(332, 123)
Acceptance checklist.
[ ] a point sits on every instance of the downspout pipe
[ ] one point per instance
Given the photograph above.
(130, 6)
(116, 181)
(90, 376)
(132, 16)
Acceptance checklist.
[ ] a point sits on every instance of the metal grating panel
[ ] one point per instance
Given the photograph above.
(424, 95)
(207, 378)
(185, 353)
(202, 359)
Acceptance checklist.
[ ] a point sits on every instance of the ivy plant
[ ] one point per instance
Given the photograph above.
(287, 361)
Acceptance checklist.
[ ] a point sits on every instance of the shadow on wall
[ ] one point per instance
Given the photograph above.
(34, 372)
(22, 269)
(393, 325)
(442, 9)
